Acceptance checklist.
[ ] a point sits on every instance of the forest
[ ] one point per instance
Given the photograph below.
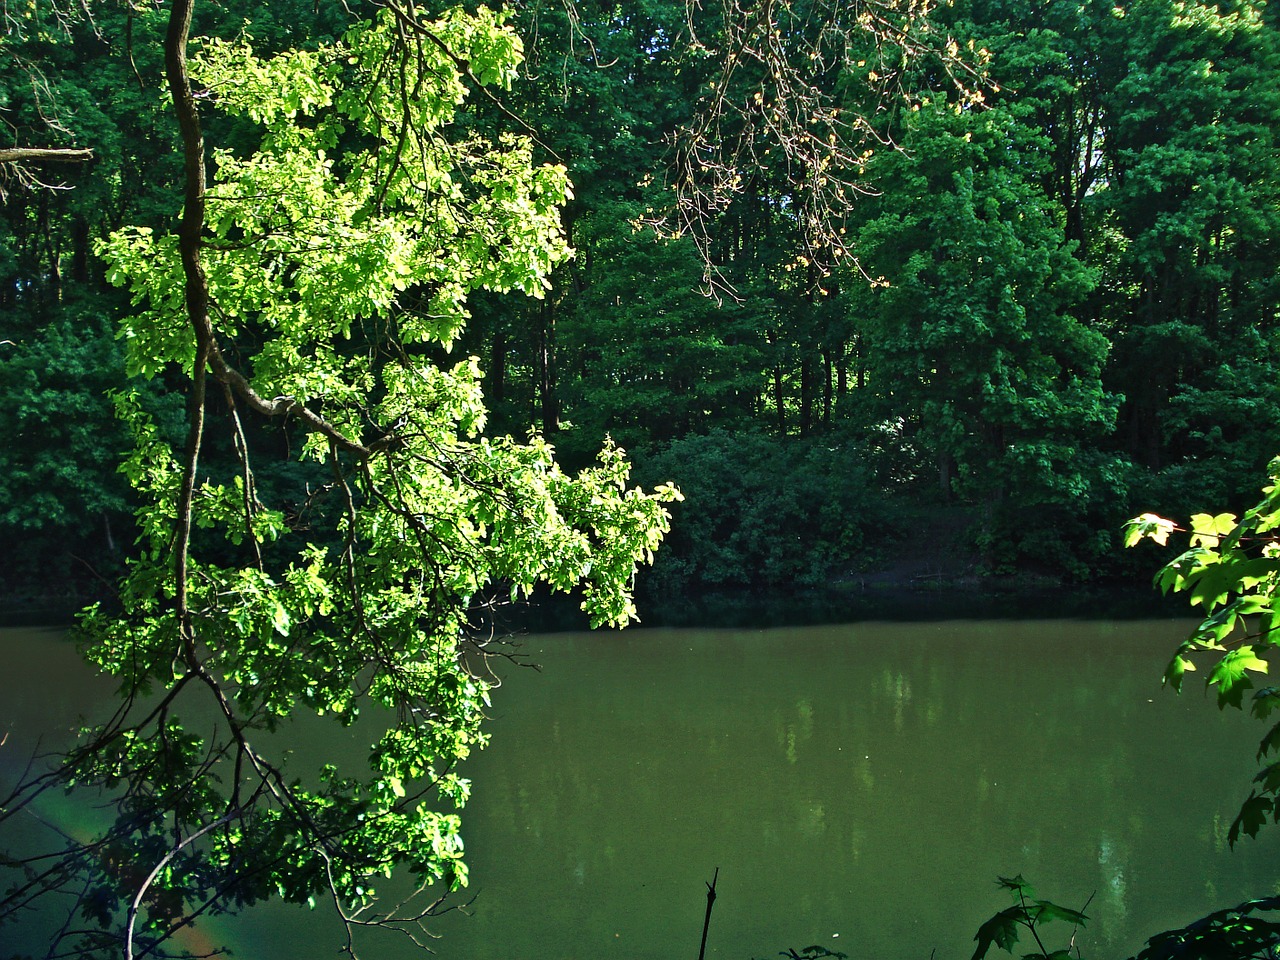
(1049, 306)
(328, 329)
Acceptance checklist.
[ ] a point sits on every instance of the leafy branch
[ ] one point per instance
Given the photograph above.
(337, 258)
(1030, 914)
(1231, 570)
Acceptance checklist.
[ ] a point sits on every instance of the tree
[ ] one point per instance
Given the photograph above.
(766, 513)
(67, 82)
(793, 88)
(58, 482)
(305, 304)
(972, 328)
(28, 147)
(1190, 106)
(648, 362)
(602, 84)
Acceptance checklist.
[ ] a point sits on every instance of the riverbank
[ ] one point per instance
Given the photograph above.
(924, 586)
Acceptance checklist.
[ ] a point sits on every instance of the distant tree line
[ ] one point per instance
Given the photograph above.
(1050, 300)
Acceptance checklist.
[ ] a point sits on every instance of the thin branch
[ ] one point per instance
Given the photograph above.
(156, 871)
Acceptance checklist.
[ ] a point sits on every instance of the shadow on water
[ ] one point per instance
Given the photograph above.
(990, 600)
(979, 599)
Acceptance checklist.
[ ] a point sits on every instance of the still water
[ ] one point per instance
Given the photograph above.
(858, 787)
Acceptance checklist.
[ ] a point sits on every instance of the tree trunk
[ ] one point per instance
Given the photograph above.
(549, 408)
(826, 387)
(778, 401)
(946, 475)
(45, 226)
(80, 250)
(806, 393)
(498, 367)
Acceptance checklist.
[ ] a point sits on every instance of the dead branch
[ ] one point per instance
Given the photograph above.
(45, 154)
(800, 99)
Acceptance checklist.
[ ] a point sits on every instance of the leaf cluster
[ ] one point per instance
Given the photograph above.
(747, 500)
(1231, 570)
(1027, 914)
(343, 236)
(1243, 932)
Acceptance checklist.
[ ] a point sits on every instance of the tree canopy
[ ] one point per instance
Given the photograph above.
(1014, 238)
(302, 309)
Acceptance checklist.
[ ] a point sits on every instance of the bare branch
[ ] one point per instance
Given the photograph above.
(45, 155)
(800, 97)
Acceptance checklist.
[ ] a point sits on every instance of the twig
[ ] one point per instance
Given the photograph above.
(706, 923)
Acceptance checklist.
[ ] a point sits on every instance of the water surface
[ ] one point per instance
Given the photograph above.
(858, 786)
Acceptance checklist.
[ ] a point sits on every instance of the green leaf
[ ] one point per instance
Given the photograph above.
(1252, 572)
(1231, 674)
(1265, 702)
(1015, 884)
(1177, 667)
(1216, 628)
(1270, 743)
(1269, 778)
(1149, 525)
(1000, 931)
(1211, 585)
(1046, 911)
(1206, 530)
(280, 619)
(1253, 814)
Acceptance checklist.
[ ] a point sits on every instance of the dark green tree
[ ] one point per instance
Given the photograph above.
(647, 358)
(974, 341)
(1190, 95)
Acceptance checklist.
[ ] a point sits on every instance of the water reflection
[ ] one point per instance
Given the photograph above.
(1111, 860)
(868, 781)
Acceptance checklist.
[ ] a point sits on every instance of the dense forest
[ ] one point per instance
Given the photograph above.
(1051, 304)
(326, 328)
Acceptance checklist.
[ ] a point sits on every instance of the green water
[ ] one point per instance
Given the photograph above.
(858, 786)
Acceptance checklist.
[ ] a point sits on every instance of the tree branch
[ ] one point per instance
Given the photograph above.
(45, 155)
(288, 406)
(197, 300)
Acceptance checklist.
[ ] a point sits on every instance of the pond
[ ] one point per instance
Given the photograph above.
(858, 786)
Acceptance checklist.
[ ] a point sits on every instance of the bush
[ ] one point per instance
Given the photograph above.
(762, 512)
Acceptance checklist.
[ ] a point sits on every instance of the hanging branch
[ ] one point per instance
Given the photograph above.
(276, 623)
(802, 95)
